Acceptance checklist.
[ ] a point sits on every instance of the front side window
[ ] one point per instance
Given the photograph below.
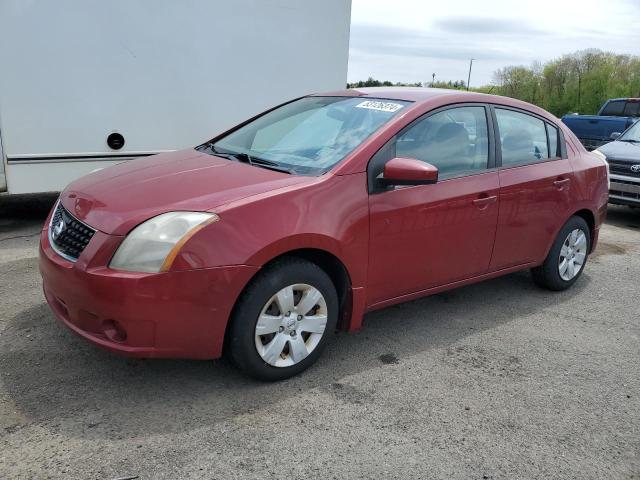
(523, 138)
(310, 135)
(455, 141)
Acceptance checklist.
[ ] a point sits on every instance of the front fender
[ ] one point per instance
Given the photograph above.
(332, 215)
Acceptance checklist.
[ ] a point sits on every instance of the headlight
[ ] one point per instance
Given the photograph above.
(153, 245)
(606, 164)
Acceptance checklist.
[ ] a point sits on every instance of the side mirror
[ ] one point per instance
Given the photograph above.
(614, 135)
(408, 171)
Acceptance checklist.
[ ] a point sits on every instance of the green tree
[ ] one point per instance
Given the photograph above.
(372, 82)
(578, 82)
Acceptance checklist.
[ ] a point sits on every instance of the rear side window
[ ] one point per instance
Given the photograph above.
(454, 140)
(614, 109)
(523, 138)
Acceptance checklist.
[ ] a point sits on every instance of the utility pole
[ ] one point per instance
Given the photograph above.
(469, 77)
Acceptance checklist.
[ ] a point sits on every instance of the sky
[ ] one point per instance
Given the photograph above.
(409, 40)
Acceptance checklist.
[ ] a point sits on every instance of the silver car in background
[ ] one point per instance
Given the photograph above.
(623, 157)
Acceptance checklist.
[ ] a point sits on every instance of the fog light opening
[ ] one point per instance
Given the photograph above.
(114, 331)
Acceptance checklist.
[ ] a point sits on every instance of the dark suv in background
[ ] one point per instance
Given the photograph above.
(614, 117)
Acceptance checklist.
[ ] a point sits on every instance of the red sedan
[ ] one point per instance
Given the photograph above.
(263, 241)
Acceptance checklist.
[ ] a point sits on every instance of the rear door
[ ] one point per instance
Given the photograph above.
(424, 236)
(535, 187)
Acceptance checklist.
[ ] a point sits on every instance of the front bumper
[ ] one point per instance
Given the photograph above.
(171, 315)
(624, 190)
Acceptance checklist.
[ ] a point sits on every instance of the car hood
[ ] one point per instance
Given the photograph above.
(116, 199)
(621, 151)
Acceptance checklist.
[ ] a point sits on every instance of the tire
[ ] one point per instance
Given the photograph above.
(299, 341)
(549, 275)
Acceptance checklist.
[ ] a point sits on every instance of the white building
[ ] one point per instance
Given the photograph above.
(163, 74)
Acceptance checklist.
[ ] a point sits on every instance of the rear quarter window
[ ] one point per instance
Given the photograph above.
(552, 133)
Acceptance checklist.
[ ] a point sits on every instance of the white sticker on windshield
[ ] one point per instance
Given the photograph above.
(382, 106)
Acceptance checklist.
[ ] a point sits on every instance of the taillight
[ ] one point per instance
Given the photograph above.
(603, 157)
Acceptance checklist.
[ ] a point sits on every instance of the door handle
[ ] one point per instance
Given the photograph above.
(483, 202)
(561, 183)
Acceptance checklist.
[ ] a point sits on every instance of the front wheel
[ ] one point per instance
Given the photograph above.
(567, 257)
(283, 320)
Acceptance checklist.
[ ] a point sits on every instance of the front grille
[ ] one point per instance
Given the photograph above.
(625, 182)
(620, 168)
(629, 195)
(68, 235)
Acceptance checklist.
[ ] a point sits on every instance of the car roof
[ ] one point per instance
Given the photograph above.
(426, 95)
(624, 99)
(411, 94)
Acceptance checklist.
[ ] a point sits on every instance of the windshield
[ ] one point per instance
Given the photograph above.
(310, 135)
(632, 134)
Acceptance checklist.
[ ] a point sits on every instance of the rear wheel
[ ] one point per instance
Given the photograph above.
(283, 320)
(567, 257)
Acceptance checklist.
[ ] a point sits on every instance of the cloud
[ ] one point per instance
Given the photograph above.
(487, 26)
(382, 40)
(408, 40)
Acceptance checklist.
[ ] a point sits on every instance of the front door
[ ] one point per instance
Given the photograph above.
(430, 235)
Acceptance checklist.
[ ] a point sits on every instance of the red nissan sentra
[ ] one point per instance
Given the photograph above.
(263, 241)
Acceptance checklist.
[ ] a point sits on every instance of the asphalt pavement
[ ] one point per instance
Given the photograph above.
(499, 380)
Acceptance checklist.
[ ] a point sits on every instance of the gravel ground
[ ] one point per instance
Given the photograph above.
(493, 381)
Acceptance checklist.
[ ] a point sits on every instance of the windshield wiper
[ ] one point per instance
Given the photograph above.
(246, 158)
(219, 153)
(630, 140)
(261, 162)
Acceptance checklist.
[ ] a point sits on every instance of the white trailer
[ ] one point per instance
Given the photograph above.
(157, 75)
